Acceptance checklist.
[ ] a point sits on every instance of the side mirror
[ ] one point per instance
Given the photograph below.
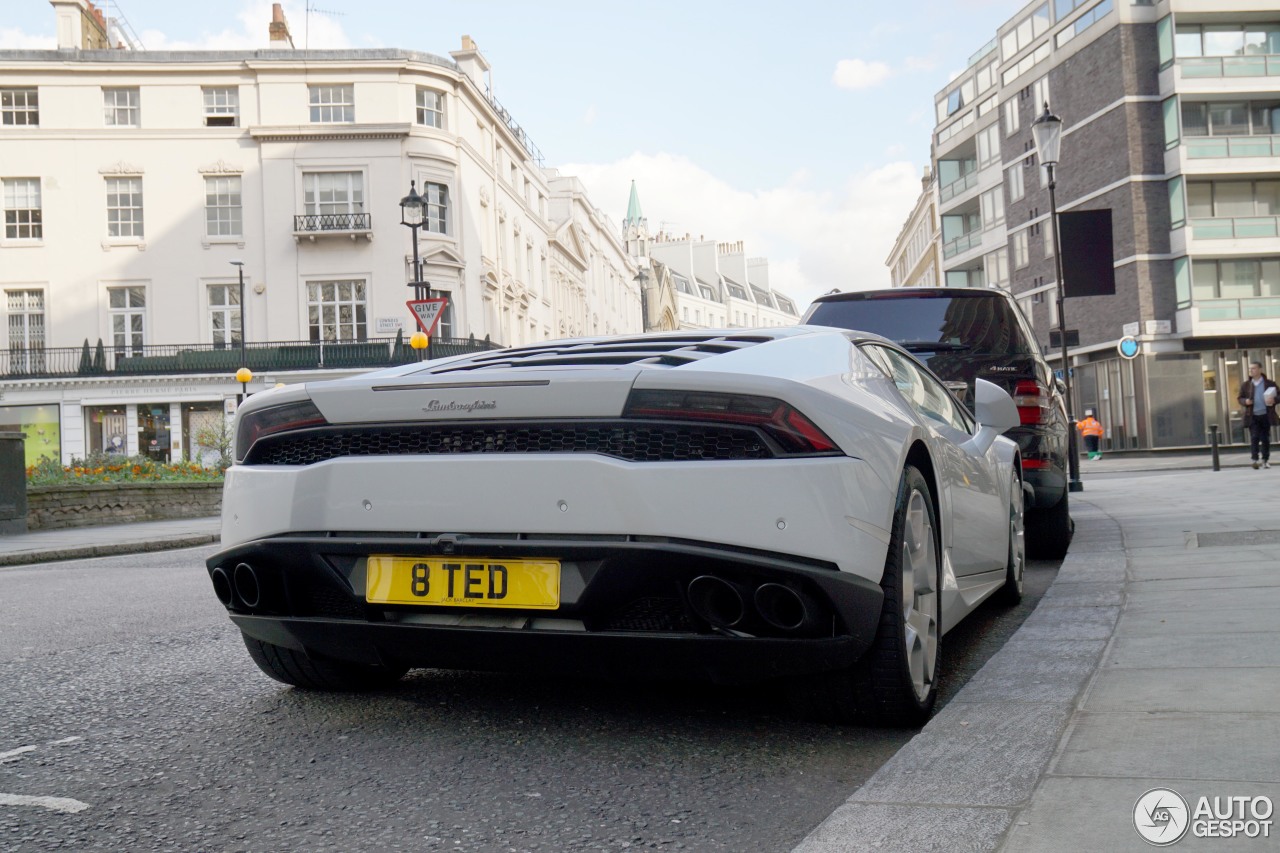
(995, 411)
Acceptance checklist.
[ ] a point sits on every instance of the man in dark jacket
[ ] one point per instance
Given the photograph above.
(1257, 399)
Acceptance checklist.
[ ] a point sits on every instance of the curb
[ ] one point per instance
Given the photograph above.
(109, 549)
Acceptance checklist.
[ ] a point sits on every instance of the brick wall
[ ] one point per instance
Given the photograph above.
(52, 507)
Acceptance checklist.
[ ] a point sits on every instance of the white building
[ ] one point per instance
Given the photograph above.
(916, 257)
(130, 181)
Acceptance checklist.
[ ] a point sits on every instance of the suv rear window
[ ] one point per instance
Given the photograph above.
(981, 324)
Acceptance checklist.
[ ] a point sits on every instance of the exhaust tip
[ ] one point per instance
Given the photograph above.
(247, 586)
(221, 585)
(717, 601)
(781, 607)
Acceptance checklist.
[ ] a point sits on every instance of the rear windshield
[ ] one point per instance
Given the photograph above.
(981, 325)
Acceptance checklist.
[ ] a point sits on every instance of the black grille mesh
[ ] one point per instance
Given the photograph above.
(635, 442)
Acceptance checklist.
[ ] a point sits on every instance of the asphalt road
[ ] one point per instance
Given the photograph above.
(131, 718)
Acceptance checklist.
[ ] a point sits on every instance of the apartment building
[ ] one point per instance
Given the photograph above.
(1171, 115)
(156, 203)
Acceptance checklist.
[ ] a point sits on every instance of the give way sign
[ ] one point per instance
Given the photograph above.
(427, 311)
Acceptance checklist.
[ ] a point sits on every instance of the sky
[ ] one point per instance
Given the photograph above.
(800, 128)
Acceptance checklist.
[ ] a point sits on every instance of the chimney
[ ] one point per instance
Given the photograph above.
(279, 29)
(471, 62)
(80, 25)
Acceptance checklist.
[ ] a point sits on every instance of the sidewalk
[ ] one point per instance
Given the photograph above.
(73, 543)
(1152, 662)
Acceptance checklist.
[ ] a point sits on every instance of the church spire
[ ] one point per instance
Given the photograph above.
(633, 208)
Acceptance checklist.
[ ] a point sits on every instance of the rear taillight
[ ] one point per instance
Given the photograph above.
(261, 423)
(1033, 402)
(786, 425)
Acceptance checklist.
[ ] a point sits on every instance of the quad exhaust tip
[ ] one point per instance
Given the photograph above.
(247, 586)
(222, 586)
(773, 607)
(718, 601)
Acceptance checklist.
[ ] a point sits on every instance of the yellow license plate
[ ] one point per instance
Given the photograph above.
(463, 582)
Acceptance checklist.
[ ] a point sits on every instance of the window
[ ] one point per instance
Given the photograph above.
(996, 268)
(992, 202)
(222, 206)
(1192, 40)
(221, 107)
(1082, 23)
(445, 325)
(26, 324)
(430, 108)
(333, 194)
(23, 219)
(437, 212)
(333, 104)
(1020, 250)
(1026, 32)
(1236, 278)
(1012, 117)
(736, 290)
(19, 107)
(924, 393)
(1013, 180)
(988, 145)
(120, 107)
(224, 315)
(1231, 118)
(124, 207)
(1040, 94)
(1207, 199)
(126, 307)
(336, 310)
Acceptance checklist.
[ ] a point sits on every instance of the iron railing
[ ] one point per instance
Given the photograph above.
(332, 222)
(260, 357)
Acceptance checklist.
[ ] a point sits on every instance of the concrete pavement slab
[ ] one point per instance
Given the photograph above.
(1035, 671)
(1172, 745)
(1165, 623)
(1085, 594)
(1239, 689)
(1198, 650)
(1085, 814)
(1255, 598)
(1069, 623)
(885, 828)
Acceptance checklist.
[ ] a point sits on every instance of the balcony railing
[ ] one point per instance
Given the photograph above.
(1255, 308)
(1230, 66)
(332, 222)
(260, 357)
(1229, 228)
(963, 243)
(958, 186)
(1233, 146)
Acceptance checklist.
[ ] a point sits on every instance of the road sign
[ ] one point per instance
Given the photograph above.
(1055, 338)
(427, 311)
(1128, 346)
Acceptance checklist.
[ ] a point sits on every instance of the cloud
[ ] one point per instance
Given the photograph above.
(12, 39)
(920, 63)
(815, 239)
(316, 31)
(589, 117)
(860, 74)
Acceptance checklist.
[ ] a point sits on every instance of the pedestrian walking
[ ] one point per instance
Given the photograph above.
(1258, 403)
(1092, 432)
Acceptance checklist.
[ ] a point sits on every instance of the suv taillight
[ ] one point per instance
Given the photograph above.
(1033, 402)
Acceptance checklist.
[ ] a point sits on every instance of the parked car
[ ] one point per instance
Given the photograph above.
(746, 506)
(965, 334)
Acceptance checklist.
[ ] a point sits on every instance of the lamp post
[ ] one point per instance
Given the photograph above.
(413, 208)
(1047, 132)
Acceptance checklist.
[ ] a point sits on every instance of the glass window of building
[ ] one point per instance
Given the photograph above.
(437, 212)
(1013, 180)
(221, 107)
(333, 104)
(329, 193)
(23, 214)
(19, 107)
(126, 307)
(120, 107)
(224, 315)
(1021, 253)
(124, 207)
(222, 206)
(25, 309)
(430, 108)
(1012, 117)
(336, 311)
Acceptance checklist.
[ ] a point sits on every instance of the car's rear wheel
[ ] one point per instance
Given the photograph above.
(1049, 530)
(1011, 592)
(296, 668)
(895, 682)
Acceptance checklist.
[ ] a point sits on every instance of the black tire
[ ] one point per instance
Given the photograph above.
(1016, 566)
(1049, 530)
(299, 670)
(880, 688)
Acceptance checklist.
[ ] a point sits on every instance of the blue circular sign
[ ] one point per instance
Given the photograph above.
(1128, 346)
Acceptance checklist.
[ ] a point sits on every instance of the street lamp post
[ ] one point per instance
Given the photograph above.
(413, 208)
(243, 375)
(1047, 132)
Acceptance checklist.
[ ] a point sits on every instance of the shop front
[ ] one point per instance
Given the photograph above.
(42, 426)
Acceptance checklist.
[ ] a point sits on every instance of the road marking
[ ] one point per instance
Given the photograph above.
(14, 753)
(57, 804)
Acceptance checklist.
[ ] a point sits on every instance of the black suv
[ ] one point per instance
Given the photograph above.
(963, 334)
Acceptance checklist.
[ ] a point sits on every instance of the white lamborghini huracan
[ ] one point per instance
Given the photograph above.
(799, 504)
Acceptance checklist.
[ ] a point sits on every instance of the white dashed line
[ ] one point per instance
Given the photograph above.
(57, 804)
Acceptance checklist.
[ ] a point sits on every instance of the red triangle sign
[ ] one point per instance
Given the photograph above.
(427, 312)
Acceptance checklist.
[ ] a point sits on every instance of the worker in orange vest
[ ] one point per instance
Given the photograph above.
(1092, 432)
